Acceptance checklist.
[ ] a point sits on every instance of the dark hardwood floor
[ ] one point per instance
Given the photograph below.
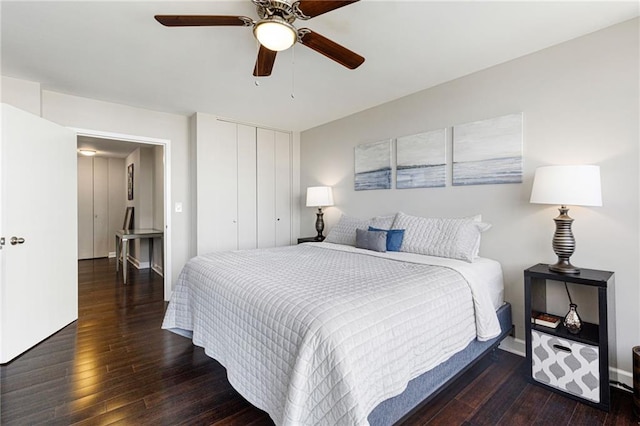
(116, 366)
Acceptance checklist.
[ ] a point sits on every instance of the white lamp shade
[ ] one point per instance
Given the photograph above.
(319, 196)
(275, 34)
(567, 185)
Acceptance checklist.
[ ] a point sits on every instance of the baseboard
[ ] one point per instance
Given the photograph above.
(158, 270)
(111, 254)
(137, 264)
(513, 345)
(622, 376)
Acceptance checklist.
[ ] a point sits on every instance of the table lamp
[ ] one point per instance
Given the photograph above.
(566, 185)
(319, 196)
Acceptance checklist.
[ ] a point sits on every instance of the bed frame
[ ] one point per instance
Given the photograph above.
(424, 388)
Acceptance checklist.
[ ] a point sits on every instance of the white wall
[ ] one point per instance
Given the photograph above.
(102, 116)
(580, 104)
(21, 94)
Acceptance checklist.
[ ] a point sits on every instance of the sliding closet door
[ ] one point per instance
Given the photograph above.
(217, 188)
(244, 186)
(282, 189)
(247, 223)
(101, 235)
(93, 207)
(85, 208)
(274, 188)
(266, 188)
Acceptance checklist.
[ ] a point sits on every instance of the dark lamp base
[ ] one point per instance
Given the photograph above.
(564, 267)
(319, 224)
(563, 243)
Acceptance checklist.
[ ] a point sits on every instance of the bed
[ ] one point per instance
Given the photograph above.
(326, 333)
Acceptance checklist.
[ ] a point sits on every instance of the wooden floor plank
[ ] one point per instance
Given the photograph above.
(115, 365)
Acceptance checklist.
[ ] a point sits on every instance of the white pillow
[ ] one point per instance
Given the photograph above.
(455, 238)
(382, 222)
(344, 232)
(482, 226)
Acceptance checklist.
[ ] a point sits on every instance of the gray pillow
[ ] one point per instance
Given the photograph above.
(371, 240)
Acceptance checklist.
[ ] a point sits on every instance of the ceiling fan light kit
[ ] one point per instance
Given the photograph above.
(275, 33)
(275, 30)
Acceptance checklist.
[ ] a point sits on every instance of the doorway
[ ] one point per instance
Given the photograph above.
(153, 208)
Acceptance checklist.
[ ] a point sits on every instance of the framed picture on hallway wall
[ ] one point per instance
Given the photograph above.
(130, 182)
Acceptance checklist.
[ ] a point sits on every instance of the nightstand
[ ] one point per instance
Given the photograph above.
(310, 240)
(575, 365)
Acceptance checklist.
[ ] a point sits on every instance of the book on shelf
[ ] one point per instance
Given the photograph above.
(545, 319)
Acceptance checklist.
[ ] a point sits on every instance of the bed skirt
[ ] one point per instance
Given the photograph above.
(425, 387)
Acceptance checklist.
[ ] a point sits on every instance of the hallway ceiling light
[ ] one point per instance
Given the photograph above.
(87, 152)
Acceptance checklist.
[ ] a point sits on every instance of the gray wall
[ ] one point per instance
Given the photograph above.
(580, 105)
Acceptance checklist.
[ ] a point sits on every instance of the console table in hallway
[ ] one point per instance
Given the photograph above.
(122, 240)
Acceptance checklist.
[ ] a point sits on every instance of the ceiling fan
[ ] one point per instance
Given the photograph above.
(275, 31)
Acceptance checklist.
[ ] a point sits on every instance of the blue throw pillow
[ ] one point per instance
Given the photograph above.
(394, 238)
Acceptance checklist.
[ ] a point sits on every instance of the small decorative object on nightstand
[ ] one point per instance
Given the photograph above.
(575, 364)
(572, 320)
(319, 196)
(566, 185)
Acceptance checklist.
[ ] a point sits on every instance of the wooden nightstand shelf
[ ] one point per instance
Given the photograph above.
(576, 365)
(310, 240)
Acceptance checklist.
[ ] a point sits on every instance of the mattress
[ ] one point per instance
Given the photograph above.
(322, 333)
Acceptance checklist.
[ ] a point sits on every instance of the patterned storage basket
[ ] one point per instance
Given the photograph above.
(564, 364)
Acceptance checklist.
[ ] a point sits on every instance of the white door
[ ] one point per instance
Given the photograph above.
(85, 208)
(101, 236)
(217, 186)
(38, 196)
(283, 188)
(247, 187)
(266, 188)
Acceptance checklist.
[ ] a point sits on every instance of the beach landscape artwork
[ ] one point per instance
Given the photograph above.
(421, 160)
(373, 166)
(488, 151)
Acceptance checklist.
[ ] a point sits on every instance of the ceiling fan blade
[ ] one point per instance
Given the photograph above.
(330, 49)
(311, 8)
(264, 63)
(203, 20)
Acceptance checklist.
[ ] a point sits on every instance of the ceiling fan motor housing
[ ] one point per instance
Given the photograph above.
(281, 8)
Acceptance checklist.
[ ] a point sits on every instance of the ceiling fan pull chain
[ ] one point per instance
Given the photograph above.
(256, 81)
(293, 71)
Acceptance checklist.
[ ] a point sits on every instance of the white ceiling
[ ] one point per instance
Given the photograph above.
(115, 51)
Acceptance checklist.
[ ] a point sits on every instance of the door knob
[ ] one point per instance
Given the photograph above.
(16, 240)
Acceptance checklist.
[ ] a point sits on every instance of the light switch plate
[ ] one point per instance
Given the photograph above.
(178, 208)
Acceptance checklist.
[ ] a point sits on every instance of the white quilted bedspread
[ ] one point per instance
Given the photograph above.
(317, 335)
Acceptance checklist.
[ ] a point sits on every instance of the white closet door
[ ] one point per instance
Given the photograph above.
(217, 188)
(247, 224)
(266, 188)
(85, 208)
(283, 189)
(101, 235)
